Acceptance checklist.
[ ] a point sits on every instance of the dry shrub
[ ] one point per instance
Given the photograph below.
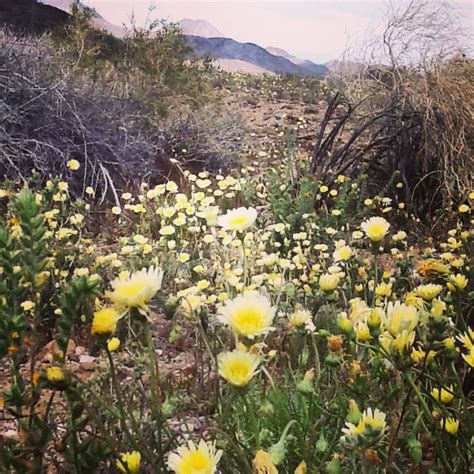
(410, 120)
(54, 110)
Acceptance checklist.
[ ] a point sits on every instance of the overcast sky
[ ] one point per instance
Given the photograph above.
(313, 29)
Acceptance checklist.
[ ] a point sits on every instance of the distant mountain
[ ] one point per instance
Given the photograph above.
(199, 28)
(284, 54)
(30, 15)
(309, 66)
(98, 21)
(229, 49)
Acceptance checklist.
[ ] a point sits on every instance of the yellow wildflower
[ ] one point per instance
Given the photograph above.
(191, 458)
(400, 317)
(262, 463)
(428, 292)
(299, 318)
(105, 321)
(469, 357)
(301, 468)
(136, 290)
(444, 395)
(73, 165)
(457, 282)
(238, 367)
(250, 314)
(328, 282)
(113, 344)
(375, 228)
(431, 268)
(129, 462)
(55, 374)
(238, 219)
(451, 425)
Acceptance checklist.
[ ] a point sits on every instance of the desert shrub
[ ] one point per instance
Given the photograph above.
(409, 120)
(108, 118)
(153, 56)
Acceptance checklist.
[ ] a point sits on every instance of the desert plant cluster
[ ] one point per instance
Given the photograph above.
(183, 293)
(408, 110)
(324, 343)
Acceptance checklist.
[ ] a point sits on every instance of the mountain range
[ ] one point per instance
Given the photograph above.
(232, 55)
(228, 54)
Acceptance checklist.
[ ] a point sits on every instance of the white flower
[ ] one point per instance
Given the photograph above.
(136, 290)
(238, 219)
(249, 315)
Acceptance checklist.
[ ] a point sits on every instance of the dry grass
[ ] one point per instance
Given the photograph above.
(410, 120)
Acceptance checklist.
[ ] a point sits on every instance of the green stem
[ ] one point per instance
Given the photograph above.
(427, 413)
(415, 389)
(376, 269)
(226, 408)
(459, 318)
(121, 408)
(203, 334)
(155, 387)
(242, 240)
(317, 363)
(74, 439)
(153, 365)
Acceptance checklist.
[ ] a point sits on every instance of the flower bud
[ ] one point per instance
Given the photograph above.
(306, 385)
(354, 414)
(322, 445)
(266, 408)
(414, 449)
(374, 318)
(334, 466)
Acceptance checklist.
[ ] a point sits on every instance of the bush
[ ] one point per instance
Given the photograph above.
(103, 107)
(410, 120)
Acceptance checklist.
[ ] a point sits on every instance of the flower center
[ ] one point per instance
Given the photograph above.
(131, 288)
(249, 319)
(239, 370)
(197, 463)
(238, 220)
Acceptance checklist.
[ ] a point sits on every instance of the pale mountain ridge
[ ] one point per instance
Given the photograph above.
(237, 65)
(233, 56)
(199, 28)
(284, 54)
(227, 48)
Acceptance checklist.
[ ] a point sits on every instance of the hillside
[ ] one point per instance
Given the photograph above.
(30, 15)
(226, 48)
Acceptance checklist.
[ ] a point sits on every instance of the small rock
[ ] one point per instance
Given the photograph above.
(86, 359)
(80, 350)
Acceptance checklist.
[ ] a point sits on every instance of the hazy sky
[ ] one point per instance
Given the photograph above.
(313, 29)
